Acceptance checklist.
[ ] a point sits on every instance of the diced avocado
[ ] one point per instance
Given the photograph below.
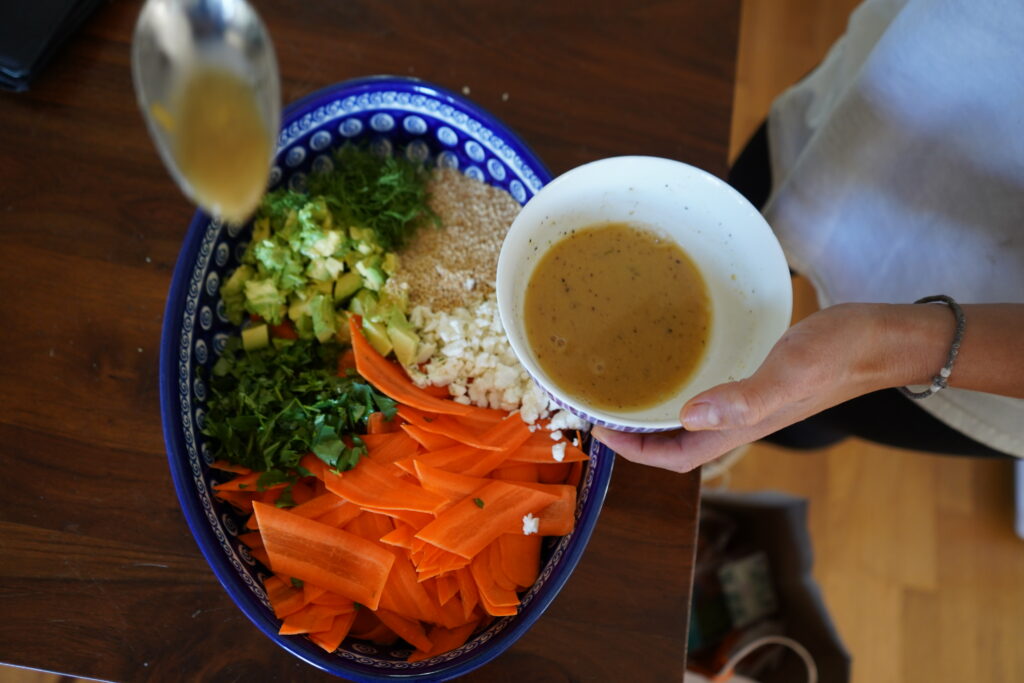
(364, 303)
(390, 263)
(299, 308)
(393, 299)
(357, 233)
(260, 229)
(255, 337)
(373, 277)
(403, 338)
(377, 335)
(321, 309)
(233, 293)
(264, 299)
(347, 285)
(304, 327)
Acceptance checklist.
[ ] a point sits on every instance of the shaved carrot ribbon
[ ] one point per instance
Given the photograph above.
(423, 539)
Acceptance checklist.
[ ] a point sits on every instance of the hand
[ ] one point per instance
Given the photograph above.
(830, 357)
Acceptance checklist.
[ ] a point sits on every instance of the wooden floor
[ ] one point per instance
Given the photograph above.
(915, 554)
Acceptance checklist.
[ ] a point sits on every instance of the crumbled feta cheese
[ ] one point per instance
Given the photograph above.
(467, 351)
(531, 524)
(558, 451)
(556, 435)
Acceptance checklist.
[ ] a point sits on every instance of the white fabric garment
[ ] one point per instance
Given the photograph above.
(898, 167)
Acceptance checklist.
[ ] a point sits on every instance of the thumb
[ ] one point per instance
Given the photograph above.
(727, 406)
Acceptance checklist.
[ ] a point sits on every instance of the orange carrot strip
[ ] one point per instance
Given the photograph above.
(404, 594)
(284, 330)
(452, 486)
(331, 639)
(482, 464)
(466, 528)
(468, 590)
(230, 467)
(520, 471)
(284, 598)
(446, 457)
(314, 465)
(492, 597)
(410, 631)
(498, 575)
(251, 539)
(334, 559)
(391, 380)
(541, 453)
(309, 619)
(575, 474)
(340, 516)
(429, 440)
(261, 555)
(372, 485)
(417, 520)
(401, 537)
(553, 473)
(239, 499)
(346, 362)
(377, 423)
(370, 526)
(310, 592)
(478, 417)
(386, 448)
(446, 426)
(247, 482)
(510, 433)
(318, 506)
(447, 587)
(520, 557)
(437, 391)
(558, 518)
(445, 640)
(338, 602)
(452, 615)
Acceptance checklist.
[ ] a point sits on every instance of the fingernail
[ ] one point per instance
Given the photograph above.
(701, 416)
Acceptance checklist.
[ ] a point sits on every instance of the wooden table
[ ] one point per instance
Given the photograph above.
(99, 575)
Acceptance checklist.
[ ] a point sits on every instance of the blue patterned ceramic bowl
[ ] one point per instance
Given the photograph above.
(431, 124)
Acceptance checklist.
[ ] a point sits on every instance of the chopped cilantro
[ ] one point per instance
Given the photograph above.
(298, 583)
(385, 193)
(269, 407)
(479, 502)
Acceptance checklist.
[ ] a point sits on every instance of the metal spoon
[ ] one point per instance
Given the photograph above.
(174, 41)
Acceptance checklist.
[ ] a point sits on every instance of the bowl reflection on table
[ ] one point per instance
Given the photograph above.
(728, 240)
(429, 124)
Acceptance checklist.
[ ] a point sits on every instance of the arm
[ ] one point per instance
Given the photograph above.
(830, 357)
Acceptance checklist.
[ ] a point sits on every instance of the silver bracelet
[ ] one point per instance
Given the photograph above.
(941, 380)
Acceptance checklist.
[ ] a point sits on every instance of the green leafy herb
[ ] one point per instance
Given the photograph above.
(298, 583)
(479, 502)
(385, 193)
(268, 408)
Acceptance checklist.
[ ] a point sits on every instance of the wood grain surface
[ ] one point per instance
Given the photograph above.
(99, 575)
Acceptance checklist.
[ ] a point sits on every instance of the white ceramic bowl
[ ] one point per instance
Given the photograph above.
(735, 250)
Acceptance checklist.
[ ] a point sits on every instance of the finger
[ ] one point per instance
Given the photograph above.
(735, 405)
(678, 451)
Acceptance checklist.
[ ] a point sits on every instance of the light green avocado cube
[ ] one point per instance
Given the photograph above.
(403, 338)
(347, 285)
(377, 335)
(255, 337)
(364, 303)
